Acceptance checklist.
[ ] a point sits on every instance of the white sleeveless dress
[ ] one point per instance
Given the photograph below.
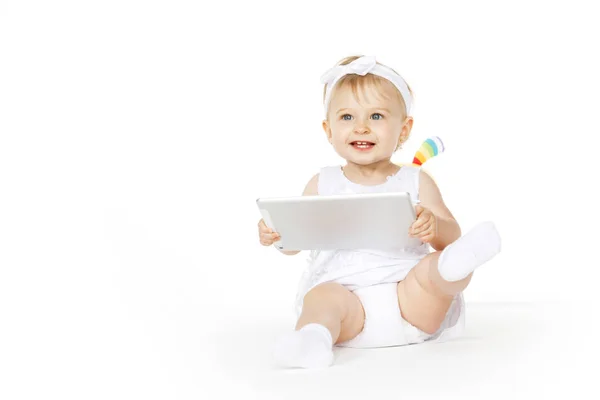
(361, 268)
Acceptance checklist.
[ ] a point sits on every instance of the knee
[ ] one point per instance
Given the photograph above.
(326, 295)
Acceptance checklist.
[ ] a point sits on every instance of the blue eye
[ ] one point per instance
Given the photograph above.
(348, 117)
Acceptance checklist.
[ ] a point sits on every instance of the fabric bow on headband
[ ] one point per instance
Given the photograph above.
(362, 66)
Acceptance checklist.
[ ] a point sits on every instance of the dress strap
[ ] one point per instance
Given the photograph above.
(410, 177)
(329, 180)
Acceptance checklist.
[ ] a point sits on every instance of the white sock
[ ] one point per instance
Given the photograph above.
(309, 347)
(468, 252)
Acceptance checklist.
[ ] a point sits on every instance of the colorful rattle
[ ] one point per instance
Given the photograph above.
(429, 149)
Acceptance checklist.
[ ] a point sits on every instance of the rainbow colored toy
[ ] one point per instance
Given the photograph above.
(429, 149)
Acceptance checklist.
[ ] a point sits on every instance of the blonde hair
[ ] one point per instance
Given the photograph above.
(360, 83)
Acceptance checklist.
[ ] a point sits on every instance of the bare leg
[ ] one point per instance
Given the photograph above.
(330, 314)
(428, 290)
(424, 296)
(335, 307)
(443, 286)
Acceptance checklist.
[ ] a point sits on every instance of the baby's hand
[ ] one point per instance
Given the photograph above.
(425, 227)
(266, 235)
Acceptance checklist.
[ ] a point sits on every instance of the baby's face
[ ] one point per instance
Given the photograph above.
(375, 119)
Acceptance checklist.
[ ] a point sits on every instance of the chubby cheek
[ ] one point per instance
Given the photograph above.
(339, 143)
(340, 135)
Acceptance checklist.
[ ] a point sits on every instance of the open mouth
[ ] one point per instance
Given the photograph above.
(362, 145)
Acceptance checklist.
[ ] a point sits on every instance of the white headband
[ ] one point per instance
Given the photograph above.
(362, 66)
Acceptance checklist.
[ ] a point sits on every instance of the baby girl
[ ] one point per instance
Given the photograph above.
(366, 298)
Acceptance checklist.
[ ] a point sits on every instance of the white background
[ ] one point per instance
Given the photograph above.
(135, 138)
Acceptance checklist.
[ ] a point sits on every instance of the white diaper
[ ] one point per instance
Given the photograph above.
(384, 325)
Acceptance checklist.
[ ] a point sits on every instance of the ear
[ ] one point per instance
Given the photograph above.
(327, 130)
(406, 128)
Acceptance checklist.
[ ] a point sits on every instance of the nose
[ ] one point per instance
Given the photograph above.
(361, 128)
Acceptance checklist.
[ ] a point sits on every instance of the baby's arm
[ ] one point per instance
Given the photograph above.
(311, 189)
(448, 229)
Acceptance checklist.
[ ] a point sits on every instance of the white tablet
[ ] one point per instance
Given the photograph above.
(354, 221)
